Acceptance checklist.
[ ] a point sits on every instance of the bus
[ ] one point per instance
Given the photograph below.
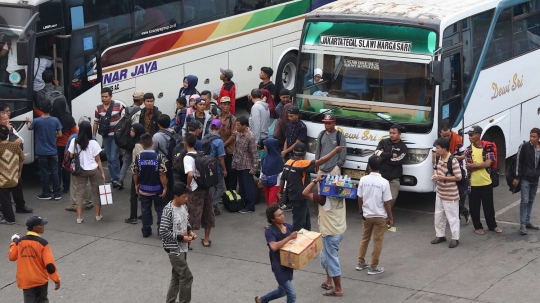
(420, 64)
(147, 45)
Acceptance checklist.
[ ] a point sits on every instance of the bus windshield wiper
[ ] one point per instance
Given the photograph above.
(326, 111)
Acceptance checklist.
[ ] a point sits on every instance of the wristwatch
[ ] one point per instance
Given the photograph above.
(315, 181)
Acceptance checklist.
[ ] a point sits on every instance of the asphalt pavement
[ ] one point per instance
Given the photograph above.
(109, 260)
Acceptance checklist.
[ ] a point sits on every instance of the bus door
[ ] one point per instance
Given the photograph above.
(84, 60)
(451, 92)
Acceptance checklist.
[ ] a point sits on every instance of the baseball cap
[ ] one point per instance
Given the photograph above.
(329, 118)
(35, 221)
(215, 124)
(227, 72)
(199, 100)
(294, 110)
(138, 94)
(475, 129)
(300, 148)
(225, 99)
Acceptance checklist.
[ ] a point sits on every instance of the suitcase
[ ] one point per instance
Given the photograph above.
(232, 201)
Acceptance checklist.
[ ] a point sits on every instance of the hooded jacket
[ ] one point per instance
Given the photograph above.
(258, 120)
(392, 168)
(205, 128)
(526, 167)
(191, 89)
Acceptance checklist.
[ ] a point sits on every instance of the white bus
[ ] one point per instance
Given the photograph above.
(419, 64)
(148, 45)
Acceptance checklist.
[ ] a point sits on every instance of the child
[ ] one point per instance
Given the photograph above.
(47, 129)
(271, 168)
(181, 113)
(192, 108)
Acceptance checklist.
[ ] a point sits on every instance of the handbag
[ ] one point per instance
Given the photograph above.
(269, 180)
(105, 122)
(75, 165)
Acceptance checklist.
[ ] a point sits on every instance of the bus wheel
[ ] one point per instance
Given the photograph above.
(286, 73)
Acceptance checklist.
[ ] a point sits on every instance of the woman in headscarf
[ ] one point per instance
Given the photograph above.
(69, 127)
(189, 86)
(137, 130)
(271, 168)
(269, 99)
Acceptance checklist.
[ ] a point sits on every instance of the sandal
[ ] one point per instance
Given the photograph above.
(326, 286)
(209, 243)
(479, 231)
(332, 293)
(498, 230)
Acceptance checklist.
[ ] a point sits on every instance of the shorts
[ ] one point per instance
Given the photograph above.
(329, 255)
(200, 209)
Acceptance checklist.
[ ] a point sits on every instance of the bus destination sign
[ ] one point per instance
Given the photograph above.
(361, 43)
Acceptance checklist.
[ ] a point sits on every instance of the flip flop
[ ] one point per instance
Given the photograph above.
(332, 293)
(497, 230)
(479, 231)
(209, 243)
(89, 207)
(326, 286)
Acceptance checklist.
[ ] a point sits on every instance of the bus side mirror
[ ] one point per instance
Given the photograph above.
(23, 52)
(435, 67)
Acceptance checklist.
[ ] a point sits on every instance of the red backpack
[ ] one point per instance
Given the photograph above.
(495, 163)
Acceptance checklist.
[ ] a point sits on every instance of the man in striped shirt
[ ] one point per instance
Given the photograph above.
(447, 199)
(104, 123)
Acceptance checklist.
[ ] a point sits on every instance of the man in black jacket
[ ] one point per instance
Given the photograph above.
(393, 152)
(149, 114)
(527, 172)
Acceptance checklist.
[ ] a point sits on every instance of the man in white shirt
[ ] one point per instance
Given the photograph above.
(40, 64)
(374, 199)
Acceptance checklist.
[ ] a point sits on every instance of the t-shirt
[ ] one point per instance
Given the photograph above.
(189, 165)
(87, 157)
(374, 190)
(63, 141)
(273, 234)
(217, 150)
(296, 173)
(479, 177)
(116, 113)
(332, 222)
(40, 64)
(45, 135)
(448, 190)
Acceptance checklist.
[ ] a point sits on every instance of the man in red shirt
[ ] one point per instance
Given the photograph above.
(227, 89)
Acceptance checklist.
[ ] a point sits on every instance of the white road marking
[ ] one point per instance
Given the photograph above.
(507, 208)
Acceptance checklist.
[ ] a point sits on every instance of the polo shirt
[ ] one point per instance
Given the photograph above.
(374, 190)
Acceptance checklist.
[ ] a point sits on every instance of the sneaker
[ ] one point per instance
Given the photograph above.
(529, 225)
(286, 207)
(98, 218)
(361, 266)
(130, 221)
(79, 221)
(523, 229)
(375, 271)
(4, 221)
(57, 196)
(120, 185)
(23, 210)
(245, 211)
(114, 184)
(44, 197)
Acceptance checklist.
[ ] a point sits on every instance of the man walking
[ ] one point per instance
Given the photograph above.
(295, 132)
(107, 116)
(527, 172)
(259, 117)
(374, 199)
(161, 141)
(478, 159)
(327, 141)
(214, 144)
(296, 173)
(176, 233)
(245, 162)
(447, 198)
(228, 127)
(150, 183)
(47, 129)
(332, 226)
(393, 153)
(35, 261)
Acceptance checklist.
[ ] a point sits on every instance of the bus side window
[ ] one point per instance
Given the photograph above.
(500, 46)
(156, 17)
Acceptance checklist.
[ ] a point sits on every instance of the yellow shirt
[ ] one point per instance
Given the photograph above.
(479, 177)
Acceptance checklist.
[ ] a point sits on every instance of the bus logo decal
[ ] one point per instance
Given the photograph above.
(505, 89)
(122, 74)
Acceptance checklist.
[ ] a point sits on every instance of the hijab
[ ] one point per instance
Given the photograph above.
(139, 131)
(59, 111)
(268, 95)
(272, 164)
(192, 83)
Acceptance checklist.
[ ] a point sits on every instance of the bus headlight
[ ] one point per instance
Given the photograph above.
(311, 144)
(417, 155)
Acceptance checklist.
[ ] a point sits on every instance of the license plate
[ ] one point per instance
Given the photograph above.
(354, 173)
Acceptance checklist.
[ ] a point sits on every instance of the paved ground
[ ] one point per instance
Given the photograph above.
(110, 261)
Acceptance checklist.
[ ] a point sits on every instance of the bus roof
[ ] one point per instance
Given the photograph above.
(26, 2)
(433, 10)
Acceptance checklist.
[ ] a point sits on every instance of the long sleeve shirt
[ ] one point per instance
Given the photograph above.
(174, 224)
(245, 152)
(35, 261)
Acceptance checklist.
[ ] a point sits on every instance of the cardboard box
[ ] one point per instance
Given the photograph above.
(298, 252)
(105, 194)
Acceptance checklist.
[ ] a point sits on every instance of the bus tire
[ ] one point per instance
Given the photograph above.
(286, 72)
(496, 135)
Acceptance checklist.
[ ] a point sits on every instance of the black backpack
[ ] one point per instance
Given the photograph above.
(206, 143)
(172, 140)
(319, 139)
(122, 136)
(105, 122)
(463, 184)
(511, 175)
(207, 168)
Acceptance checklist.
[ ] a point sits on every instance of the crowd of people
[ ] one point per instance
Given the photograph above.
(183, 166)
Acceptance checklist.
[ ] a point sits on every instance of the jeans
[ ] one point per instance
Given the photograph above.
(63, 174)
(181, 279)
(113, 162)
(48, 165)
(482, 195)
(301, 215)
(127, 159)
(283, 290)
(528, 193)
(247, 189)
(219, 190)
(329, 255)
(36, 294)
(146, 208)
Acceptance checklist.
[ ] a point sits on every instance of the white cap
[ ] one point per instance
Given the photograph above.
(318, 71)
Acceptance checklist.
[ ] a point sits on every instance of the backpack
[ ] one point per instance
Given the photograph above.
(75, 165)
(207, 168)
(53, 95)
(463, 184)
(206, 143)
(105, 122)
(179, 153)
(511, 175)
(122, 136)
(319, 139)
(495, 165)
(172, 140)
(232, 201)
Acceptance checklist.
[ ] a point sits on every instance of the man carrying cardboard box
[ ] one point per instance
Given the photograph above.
(277, 235)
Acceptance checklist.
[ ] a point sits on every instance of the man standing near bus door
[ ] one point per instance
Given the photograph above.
(328, 140)
(392, 151)
(107, 116)
(296, 132)
(458, 151)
